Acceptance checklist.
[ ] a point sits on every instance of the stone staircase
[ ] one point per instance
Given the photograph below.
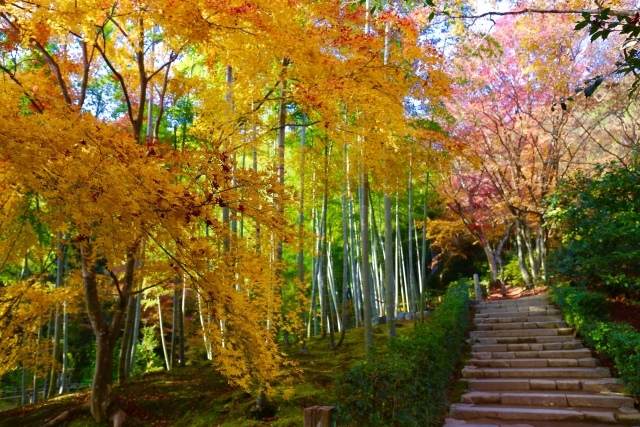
(528, 370)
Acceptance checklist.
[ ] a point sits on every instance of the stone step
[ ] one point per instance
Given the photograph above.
(532, 309)
(492, 422)
(528, 344)
(496, 305)
(463, 411)
(521, 325)
(522, 333)
(537, 362)
(488, 422)
(527, 351)
(518, 318)
(565, 339)
(597, 385)
(551, 398)
(477, 372)
(489, 314)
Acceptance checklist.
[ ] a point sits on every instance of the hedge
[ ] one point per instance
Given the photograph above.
(586, 311)
(406, 383)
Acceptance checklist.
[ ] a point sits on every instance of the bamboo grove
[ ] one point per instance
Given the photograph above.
(179, 161)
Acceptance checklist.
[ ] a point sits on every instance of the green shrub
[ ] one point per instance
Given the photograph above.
(146, 358)
(406, 383)
(597, 217)
(586, 312)
(512, 272)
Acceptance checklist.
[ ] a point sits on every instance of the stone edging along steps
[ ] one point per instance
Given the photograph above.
(528, 370)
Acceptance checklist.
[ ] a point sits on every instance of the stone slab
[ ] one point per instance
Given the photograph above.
(599, 400)
(467, 412)
(498, 384)
(533, 399)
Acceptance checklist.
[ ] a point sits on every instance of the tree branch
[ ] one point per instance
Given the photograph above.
(615, 12)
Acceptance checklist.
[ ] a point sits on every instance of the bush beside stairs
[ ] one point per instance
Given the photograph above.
(528, 370)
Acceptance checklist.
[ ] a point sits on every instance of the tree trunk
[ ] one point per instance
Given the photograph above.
(332, 290)
(388, 269)
(23, 398)
(423, 261)
(325, 286)
(45, 389)
(378, 297)
(322, 271)
(522, 262)
(102, 378)
(125, 346)
(174, 324)
(181, 322)
(366, 272)
(34, 399)
(134, 336)
(106, 335)
(410, 254)
(303, 138)
(65, 343)
(164, 345)
(493, 262)
(56, 333)
(280, 205)
(399, 288)
(353, 261)
(345, 253)
(53, 376)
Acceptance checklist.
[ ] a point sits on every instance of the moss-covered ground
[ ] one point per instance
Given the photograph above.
(198, 396)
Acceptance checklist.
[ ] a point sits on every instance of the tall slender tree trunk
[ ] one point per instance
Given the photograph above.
(325, 286)
(23, 397)
(388, 269)
(174, 324)
(423, 261)
(45, 388)
(303, 139)
(34, 398)
(125, 346)
(332, 290)
(181, 321)
(399, 288)
(352, 258)
(366, 272)
(56, 333)
(410, 253)
(134, 336)
(225, 209)
(345, 249)
(65, 344)
(379, 296)
(322, 284)
(162, 341)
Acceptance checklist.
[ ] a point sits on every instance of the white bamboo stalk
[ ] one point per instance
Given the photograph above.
(332, 288)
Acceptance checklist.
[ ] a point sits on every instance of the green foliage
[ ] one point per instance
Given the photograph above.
(599, 219)
(406, 383)
(586, 312)
(146, 358)
(512, 272)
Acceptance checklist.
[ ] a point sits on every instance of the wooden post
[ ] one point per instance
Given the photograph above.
(476, 282)
(318, 416)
